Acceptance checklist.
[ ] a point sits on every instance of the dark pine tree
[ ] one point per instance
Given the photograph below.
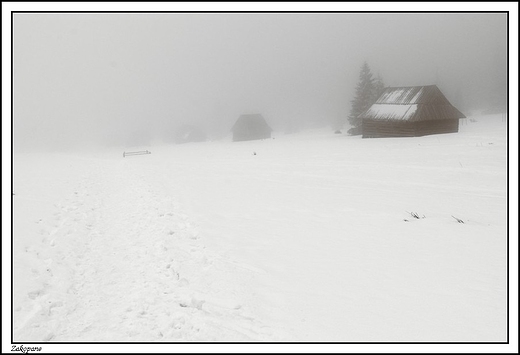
(379, 87)
(365, 92)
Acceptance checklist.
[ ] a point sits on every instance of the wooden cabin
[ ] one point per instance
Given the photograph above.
(410, 112)
(189, 133)
(250, 127)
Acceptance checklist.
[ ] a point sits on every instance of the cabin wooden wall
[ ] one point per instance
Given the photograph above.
(377, 129)
(240, 135)
(424, 128)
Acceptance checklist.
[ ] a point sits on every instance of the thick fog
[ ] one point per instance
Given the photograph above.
(118, 79)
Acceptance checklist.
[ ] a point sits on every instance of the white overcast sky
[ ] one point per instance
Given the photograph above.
(97, 77)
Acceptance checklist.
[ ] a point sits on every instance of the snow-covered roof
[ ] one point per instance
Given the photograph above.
(403, 95)
(412, 103)
(255, 121)
(391, 112)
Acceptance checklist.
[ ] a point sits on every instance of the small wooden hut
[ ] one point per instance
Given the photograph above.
(410, 112)
(250, 127)
(189, 133)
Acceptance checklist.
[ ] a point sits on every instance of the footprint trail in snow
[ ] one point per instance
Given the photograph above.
(121, 262)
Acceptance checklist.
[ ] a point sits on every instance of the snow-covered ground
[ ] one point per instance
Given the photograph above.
(310, 239)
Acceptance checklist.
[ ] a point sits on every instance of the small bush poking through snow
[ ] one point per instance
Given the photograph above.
(415, 215)
(458, 220)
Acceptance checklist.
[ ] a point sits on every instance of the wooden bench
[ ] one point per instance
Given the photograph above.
(141, 152)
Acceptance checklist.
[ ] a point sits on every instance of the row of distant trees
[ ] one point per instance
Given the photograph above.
(368, 91)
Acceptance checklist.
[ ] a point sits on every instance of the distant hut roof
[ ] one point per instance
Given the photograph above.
(412, 103)
(189, 133)
(255, 121)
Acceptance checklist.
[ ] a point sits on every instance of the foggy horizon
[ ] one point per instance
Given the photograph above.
(96, 79)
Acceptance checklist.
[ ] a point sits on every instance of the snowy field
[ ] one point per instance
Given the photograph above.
(310, 239)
